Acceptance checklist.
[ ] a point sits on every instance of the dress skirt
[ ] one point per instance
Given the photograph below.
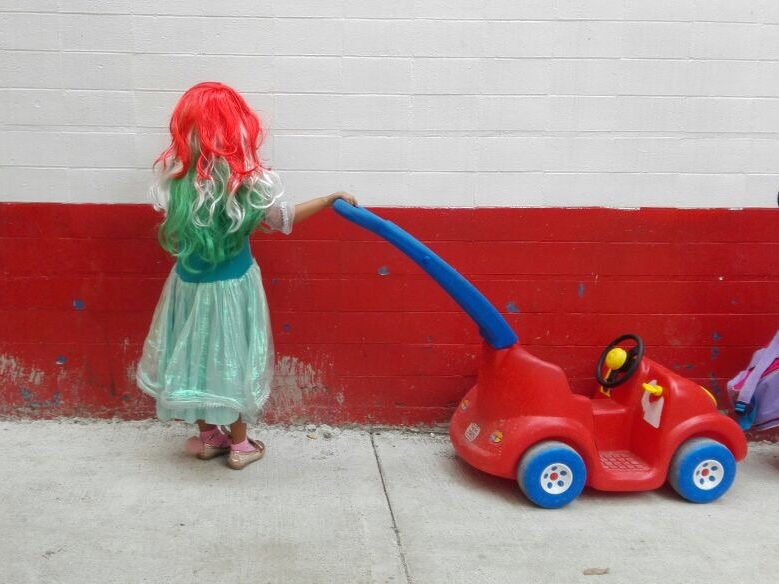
(209, 352)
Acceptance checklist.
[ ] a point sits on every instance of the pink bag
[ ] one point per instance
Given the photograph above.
(755, 391)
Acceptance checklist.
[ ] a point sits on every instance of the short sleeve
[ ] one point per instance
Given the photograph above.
(280, 215)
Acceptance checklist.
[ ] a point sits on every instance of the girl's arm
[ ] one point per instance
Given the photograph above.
(305, 210)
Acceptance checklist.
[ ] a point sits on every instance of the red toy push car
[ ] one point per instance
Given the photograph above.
(645, 425)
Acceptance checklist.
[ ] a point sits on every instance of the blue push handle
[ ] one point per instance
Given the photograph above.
(492, 326)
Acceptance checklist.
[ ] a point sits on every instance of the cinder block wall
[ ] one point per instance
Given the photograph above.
(431, 103)
(510, 136)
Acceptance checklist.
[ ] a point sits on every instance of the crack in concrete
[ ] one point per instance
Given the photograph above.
(398, 540)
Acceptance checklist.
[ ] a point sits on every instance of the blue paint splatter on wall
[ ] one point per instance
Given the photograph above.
(383, 271)
(286, 327)
(714, 386)
(512, 308)
(716, 336)
(61, 360)
(581, 289)
(714, 353)
(78, 304)
(30, 400)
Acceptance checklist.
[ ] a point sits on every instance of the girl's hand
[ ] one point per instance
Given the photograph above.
(314, 206)
(341, 195)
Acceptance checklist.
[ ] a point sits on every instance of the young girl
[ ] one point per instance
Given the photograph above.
(208, 357)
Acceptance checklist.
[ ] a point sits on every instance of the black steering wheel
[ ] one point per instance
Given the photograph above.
(624, 372)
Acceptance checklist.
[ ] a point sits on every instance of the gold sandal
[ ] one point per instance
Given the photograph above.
(237, 459)
(213, 447)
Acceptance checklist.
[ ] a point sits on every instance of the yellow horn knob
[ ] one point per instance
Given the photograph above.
(616, 358)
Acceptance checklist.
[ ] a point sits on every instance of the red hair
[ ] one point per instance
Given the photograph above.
(212, 121)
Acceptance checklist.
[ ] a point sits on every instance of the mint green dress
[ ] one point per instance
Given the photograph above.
(209, 352)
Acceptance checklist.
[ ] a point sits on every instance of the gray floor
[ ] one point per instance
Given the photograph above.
(121, 502)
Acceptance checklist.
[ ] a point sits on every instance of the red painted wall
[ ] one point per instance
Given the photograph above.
(362, 335)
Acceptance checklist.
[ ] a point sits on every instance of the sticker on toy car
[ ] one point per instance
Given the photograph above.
(653, 409)
(472, 431)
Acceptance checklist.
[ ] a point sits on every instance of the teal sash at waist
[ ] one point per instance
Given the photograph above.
(227, 270)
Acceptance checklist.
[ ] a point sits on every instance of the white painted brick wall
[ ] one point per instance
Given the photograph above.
(620, 103)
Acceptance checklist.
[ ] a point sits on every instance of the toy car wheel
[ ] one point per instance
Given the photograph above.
(551, 474)
(702, 470)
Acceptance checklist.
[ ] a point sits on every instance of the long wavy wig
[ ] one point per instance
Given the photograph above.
(212, 185)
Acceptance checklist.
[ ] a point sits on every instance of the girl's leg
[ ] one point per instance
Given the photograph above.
(238, 431)
(203, 427)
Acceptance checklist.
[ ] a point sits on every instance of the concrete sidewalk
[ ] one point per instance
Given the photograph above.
(116, 502)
